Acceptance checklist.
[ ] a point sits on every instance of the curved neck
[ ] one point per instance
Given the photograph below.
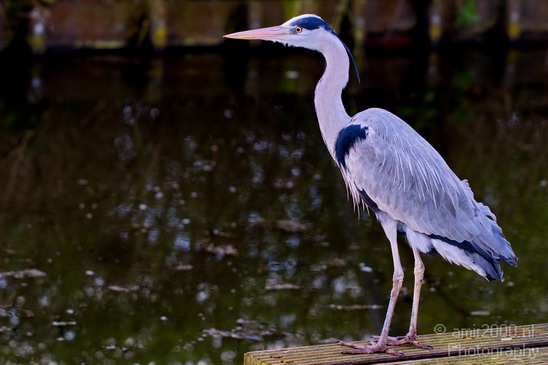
(332, 116)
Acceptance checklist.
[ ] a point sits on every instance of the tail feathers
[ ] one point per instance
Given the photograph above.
(505, 252)
(459, 253)
(479, 250)
(491, 268)
(492, 234)
(494, 237)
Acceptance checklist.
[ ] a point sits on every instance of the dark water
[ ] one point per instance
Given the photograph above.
(186, 211)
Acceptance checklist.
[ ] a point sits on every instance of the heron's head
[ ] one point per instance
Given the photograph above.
(306, 31)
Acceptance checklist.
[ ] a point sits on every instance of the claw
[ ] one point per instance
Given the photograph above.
(423, 345)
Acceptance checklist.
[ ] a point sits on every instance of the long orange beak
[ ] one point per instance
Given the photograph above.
(265, 34)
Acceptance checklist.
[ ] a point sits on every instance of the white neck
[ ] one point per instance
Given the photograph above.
(332, 116)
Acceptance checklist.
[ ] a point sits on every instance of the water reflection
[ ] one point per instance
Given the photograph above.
(187, 212)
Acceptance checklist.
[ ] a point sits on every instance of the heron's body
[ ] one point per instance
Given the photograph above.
(399, 176)
(390, 169)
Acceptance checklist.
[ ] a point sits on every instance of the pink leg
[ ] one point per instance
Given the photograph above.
(411, 337)
(419, 275)
(390, 229)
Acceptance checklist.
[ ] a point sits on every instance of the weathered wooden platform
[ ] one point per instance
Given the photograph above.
(488, 345)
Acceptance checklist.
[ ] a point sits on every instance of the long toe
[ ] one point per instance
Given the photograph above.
(421, 345)
(365, 349)
(411, 340)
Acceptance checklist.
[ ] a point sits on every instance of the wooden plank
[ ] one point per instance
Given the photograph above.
(516, 344)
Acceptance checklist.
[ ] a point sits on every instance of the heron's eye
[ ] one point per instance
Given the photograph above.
(298, 30)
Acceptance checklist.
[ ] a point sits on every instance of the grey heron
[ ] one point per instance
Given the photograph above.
(395, 173)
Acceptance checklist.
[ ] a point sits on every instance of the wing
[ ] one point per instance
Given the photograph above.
(390, 167)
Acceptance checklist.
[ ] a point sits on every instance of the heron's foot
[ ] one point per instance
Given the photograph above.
(368, 349)
(402, 340)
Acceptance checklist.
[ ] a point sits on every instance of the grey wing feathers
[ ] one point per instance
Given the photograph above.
(407, 179)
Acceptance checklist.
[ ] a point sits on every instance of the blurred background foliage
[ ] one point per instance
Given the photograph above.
(147, 26)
